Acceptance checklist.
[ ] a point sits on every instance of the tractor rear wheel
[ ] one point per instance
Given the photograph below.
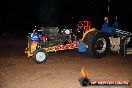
(40, 56)
(98, 44)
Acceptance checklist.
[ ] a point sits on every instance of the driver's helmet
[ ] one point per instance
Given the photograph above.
(35, 31)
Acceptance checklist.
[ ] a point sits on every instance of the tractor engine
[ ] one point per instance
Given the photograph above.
(53, 36)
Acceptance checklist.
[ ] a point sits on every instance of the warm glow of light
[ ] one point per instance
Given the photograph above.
(84, 73)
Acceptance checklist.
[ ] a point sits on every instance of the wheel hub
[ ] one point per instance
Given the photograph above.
(40, 56)
(100, 45)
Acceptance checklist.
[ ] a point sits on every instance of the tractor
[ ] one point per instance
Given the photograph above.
(95, 42)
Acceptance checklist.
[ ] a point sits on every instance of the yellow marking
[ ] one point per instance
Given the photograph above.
(29, 54)
(90, 30)
(86, 46)
(33, 46)
(84, 73)
(50, 49)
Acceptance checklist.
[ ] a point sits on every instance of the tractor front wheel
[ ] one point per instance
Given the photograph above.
(40, 56)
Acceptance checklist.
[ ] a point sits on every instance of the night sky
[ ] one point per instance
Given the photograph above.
(24, 15)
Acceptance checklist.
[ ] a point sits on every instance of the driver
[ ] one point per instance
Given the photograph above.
(35, 36)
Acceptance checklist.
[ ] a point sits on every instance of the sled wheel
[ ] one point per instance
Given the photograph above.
(98, 44)
(123, 48)
(40, 56)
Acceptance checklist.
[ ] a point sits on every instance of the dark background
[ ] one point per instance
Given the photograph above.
(21, 16)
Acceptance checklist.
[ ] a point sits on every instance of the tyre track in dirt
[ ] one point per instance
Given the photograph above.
(62, 70)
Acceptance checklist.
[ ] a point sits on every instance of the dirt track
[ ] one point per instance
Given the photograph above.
(62, 70)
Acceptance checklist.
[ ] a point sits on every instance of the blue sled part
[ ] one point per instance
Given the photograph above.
(109, 30)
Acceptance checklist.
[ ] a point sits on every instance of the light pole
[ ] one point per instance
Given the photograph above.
(108, 8)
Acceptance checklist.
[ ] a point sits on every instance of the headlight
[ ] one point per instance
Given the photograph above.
(66, 31)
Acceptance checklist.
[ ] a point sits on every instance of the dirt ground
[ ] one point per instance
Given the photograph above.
(62, 70)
